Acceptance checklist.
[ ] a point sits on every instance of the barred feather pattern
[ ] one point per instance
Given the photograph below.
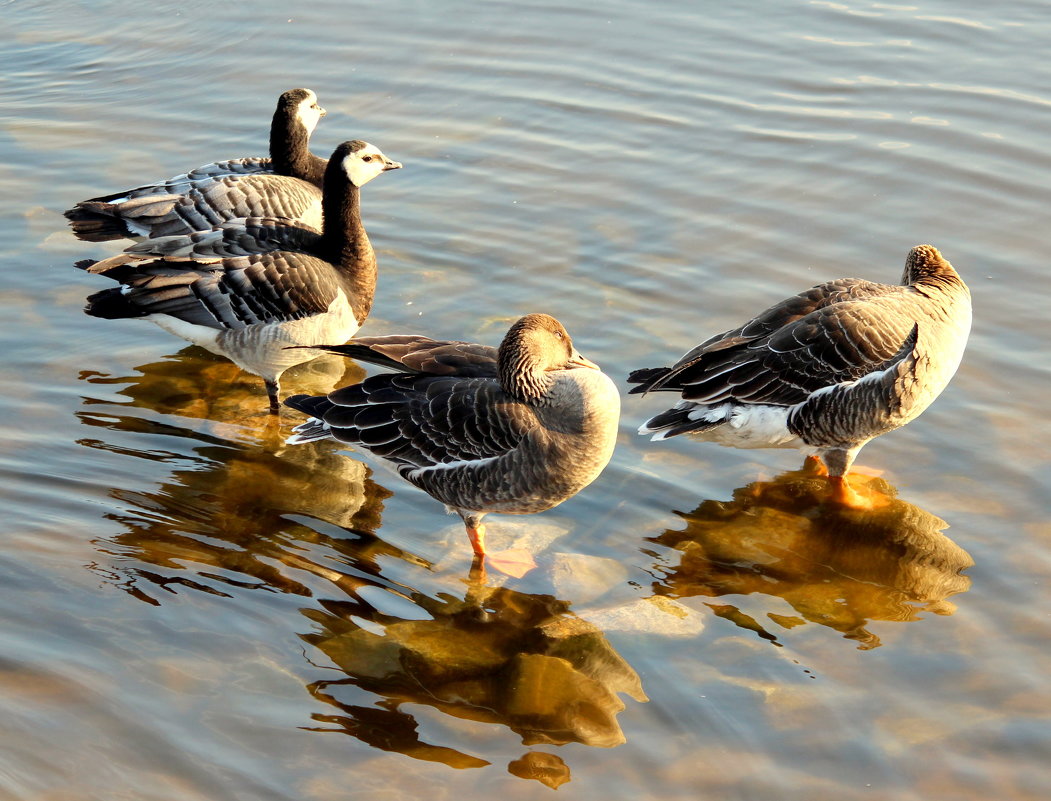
(829, 368)
(464, 438)
(286, 185)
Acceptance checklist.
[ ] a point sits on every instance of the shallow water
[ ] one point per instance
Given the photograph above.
(196, 611)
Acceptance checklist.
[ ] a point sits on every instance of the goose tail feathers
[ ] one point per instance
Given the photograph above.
(93, 221)
(314, 428)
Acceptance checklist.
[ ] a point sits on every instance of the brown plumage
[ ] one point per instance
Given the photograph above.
(826, 370)
(516, 429)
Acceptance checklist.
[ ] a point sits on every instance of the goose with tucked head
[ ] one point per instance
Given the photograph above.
(288, 184)
(252, 304)
(826, 370)
(516, 429)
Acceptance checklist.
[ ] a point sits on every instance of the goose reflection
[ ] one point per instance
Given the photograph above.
(837, 567)
(232, 515)
(197, 384)
(494, 656)
(229, 512)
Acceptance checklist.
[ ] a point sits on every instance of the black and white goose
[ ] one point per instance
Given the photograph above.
(252, 305)
(826, 370)
(288, 184)
(516, 429)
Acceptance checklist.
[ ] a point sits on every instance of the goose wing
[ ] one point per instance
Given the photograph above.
(232, 293)
(182, 183)
(832, 333)
(207, 204)
(421, 421)
(418, 354)
(231, 239)
(199, 206)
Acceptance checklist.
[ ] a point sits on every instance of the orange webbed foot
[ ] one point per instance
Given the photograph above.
(860, 497)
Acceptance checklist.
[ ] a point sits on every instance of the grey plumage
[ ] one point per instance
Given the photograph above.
(515, 429)
(249, 293)
(287, 185)
(826, 370)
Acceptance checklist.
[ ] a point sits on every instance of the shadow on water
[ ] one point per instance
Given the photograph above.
(251, 515)
(837, 567)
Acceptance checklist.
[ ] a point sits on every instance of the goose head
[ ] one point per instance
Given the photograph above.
(536, 345)
(362, 162)
(924, 261)
(301, 105)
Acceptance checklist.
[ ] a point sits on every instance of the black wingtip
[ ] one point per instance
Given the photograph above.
(89, 224)
(111, 304)
(648, 379)
(312, 405)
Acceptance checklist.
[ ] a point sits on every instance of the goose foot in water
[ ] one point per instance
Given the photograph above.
(514, 562)
(813, 464)
(861, 499)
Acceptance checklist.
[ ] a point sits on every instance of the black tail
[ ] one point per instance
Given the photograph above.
(313, 405)
(111, 304)
(646, 378)
(93, 221)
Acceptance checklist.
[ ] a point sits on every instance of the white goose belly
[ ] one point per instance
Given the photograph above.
(754, 426)
(263, 348)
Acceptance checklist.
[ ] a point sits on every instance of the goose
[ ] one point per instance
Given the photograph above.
(826, 370)
(516, 429)
(288, 184)
(249, 306)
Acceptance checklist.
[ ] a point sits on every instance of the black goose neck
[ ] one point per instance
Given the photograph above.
(344, 242)
(290, 149)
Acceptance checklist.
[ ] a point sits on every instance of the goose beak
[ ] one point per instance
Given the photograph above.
(321, 112)
(391, 165)
(576, 360)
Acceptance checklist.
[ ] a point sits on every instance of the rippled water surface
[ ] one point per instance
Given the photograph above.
(193, 610)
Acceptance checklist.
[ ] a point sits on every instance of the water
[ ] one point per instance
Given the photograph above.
(195, 611)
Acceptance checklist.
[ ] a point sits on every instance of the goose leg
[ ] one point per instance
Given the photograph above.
(515, 562)
(476, 534)
(839, 461)
(271, 392)
(813, 464)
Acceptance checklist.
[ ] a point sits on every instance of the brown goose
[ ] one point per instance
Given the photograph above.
(515, 430)
(826, 370)
(297, 287)
(288, 184)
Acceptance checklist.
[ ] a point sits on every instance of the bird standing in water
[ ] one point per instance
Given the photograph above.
(826, 370)
(516, 429)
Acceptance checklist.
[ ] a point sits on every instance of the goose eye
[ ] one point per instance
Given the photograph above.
(366, 158)
(558, 334)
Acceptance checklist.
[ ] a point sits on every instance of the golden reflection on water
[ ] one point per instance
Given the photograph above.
(195, 383)
(837, 567)
(250, 514)
(234, 508)
(495, 656)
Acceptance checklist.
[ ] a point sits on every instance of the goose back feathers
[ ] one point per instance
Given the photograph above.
(288, 185)
(826, 370)
(281, 286)
(515, 429)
